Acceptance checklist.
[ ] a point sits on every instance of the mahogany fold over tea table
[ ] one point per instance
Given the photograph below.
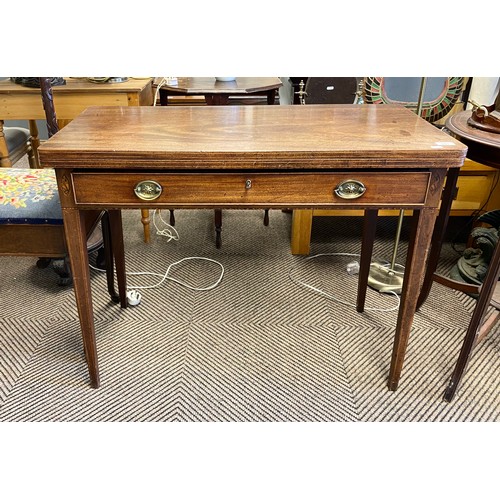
(324, 156)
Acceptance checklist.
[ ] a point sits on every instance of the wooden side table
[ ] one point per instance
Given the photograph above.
(217, 93)
(252, 157)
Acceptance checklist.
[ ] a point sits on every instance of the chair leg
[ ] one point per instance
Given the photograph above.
(266, 217)
(63, 270)
(32, 159)
(43, 262)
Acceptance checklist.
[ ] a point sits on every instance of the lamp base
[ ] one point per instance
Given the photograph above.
(384, 279)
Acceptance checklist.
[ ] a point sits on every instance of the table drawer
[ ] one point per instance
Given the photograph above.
(261, 189)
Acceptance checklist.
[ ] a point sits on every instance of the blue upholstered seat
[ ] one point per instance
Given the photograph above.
(29, 196)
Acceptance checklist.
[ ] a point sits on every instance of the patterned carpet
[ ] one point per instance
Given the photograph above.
(258, 347)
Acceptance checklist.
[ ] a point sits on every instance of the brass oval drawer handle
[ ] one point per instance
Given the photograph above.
(350, 189)
(147, 190)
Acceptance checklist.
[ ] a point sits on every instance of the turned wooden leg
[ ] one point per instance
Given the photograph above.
(4, 152)
(145, 222)
(34, 160)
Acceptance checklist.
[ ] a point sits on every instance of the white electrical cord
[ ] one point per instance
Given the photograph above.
(163, 81)
(171, 234)
(167, 277)
(332, 297)
(169, 231)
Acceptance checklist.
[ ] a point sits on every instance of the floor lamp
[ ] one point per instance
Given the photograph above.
(388, 276)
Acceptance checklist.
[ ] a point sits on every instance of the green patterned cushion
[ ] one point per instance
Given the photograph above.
(29, 196)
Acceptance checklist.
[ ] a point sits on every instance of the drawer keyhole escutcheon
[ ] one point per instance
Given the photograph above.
(248, 184)
(147, 190)
(350, 189)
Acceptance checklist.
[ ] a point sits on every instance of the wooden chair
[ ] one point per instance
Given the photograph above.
(16, 142)
(31, 221)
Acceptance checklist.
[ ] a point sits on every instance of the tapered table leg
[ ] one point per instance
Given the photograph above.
(218, 227)
(420, 240)
(115, 222)
(76, 239)
(369, 230)
(108, 255)
(439, 232)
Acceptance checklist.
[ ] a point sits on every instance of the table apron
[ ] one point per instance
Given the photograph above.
(199, 190)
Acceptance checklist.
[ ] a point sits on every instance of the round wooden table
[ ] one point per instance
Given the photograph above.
(484, 147)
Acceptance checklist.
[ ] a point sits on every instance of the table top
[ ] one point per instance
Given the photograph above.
(76, 85)
(457, 124)
(483, 146)
(241, 137)
(209, 85)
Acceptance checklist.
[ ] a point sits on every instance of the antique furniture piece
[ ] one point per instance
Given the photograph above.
(216, 92)
(484, 147)
(18, 102)
(31, 222)
(252, 157)
(478, 186)
(330, 90)
(219, 93)
(15, 142)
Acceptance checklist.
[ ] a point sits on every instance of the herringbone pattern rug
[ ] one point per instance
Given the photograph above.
(256, 348)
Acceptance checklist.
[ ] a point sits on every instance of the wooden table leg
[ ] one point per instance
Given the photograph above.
(35, 142)
(108, 255)
(300, 241)
(369, 230)
(471, 337)
(145, 222)
(438, 234)
(271, 96)
(76, 239)
(115, 222)
(218, 227)
(420, 240)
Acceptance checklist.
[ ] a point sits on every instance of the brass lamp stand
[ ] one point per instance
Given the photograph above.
(385, 276)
